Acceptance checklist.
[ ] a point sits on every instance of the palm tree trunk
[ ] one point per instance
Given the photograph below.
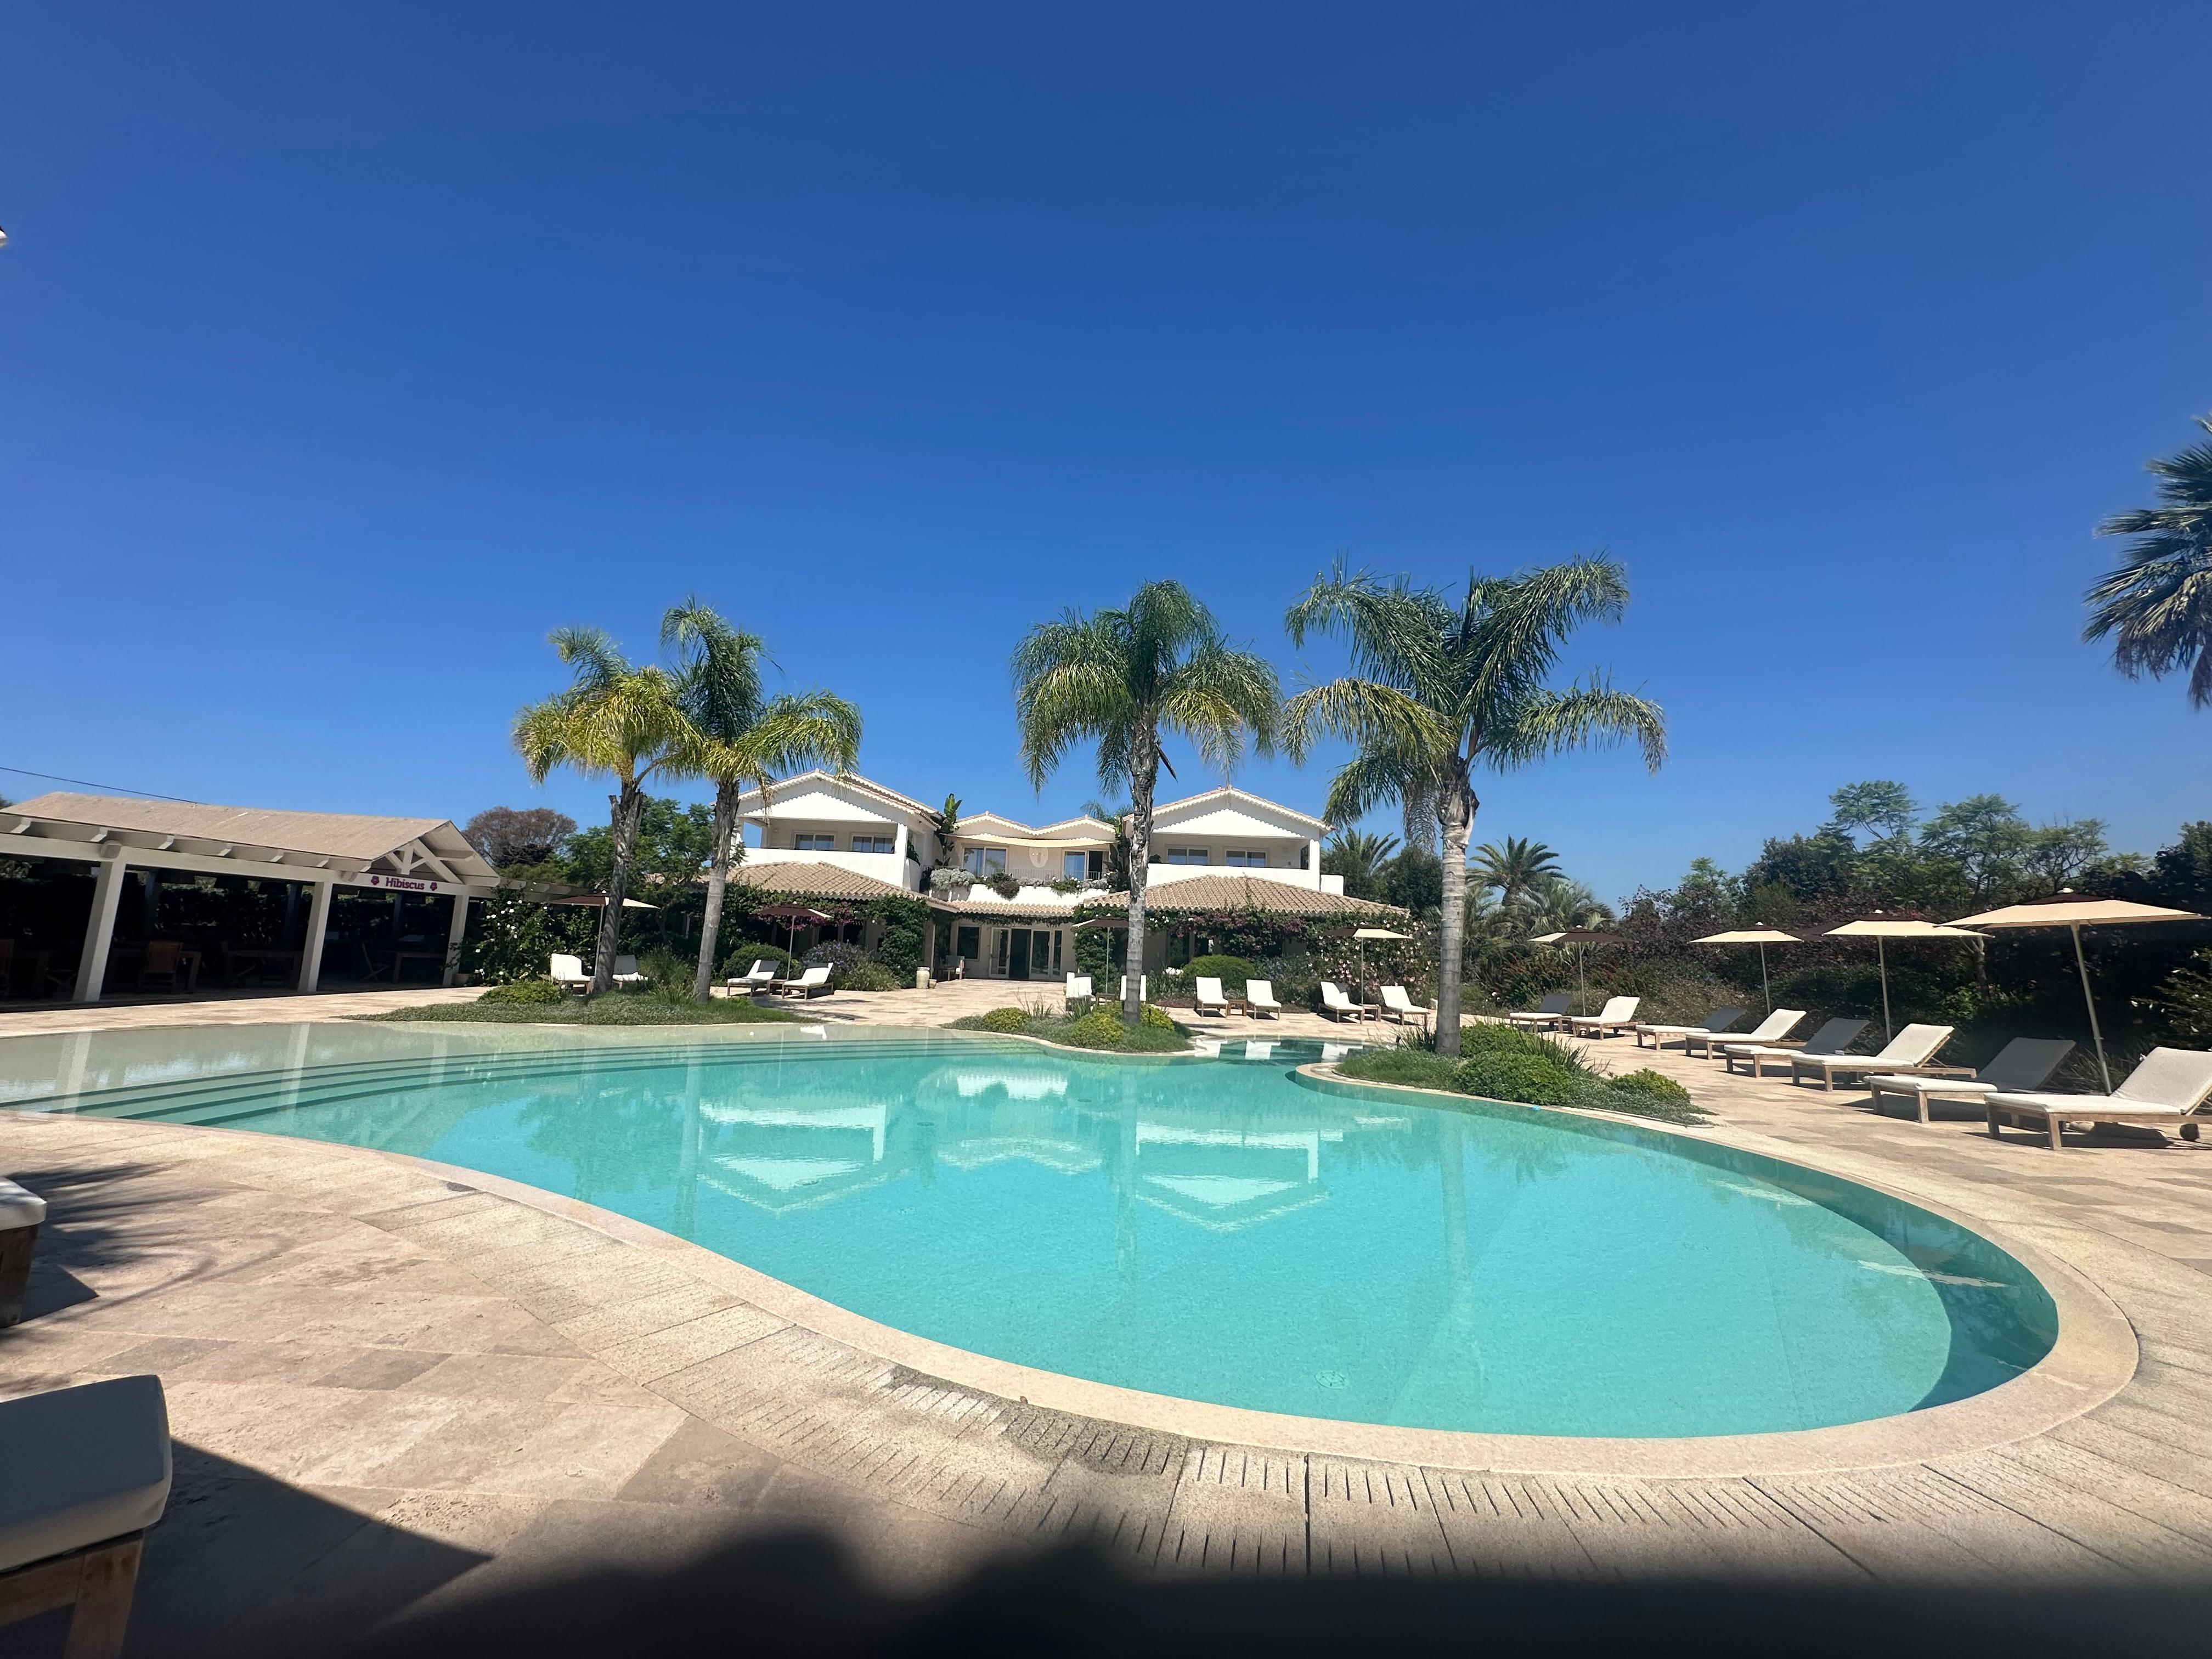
(629, 807)
(718, 884)
(1144, 775)
(1456, 817)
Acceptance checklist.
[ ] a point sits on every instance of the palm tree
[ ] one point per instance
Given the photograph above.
(742, 738)
(1440, 688)
(1122, 679)
(1359, 859)
(614, 721)
(1557, 904)
(2157, 606)
(1514, 868)
(1117, 853)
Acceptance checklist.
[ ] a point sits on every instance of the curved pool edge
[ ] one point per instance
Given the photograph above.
(2093, 1359)
(2094, 1356)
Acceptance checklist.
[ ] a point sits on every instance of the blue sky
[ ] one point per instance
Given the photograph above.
(343, 353)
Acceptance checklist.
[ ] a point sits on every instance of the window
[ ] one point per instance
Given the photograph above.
(1186, 855)
(1074, 866)
(1097, 866)
(985, 860)
(1247, 860)
(1056, 938)
(969, 943)
(1005, 937)
(815, 843)
(874, 844)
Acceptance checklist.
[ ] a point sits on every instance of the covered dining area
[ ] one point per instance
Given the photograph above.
(103, 896)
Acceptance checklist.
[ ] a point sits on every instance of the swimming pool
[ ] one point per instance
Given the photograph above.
(1214, 1229)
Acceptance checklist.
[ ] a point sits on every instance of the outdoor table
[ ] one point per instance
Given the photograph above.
(259, 956)
(123, 959)
(401, 958)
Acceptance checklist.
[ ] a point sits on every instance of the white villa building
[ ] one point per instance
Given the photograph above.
(840, 840)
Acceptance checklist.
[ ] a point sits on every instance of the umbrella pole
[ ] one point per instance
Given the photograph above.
(1582, 981)
(2096, 1036)
(1881, 958)
(1763, 984)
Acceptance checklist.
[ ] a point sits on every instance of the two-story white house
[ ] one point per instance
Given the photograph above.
(821, 841)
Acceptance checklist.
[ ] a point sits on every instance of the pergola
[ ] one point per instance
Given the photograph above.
(322, 851)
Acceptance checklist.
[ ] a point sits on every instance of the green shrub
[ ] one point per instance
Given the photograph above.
(524, 992)
(1155, 1017)
(1231, 971)
(1653, 1083)
(1003, 885)
(1523, 1078)
(868, 976)
(1415, 1068)
(1003, 1019)
(1099, 1029)
(1486, 1038)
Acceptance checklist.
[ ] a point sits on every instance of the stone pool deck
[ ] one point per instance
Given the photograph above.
(395, 1386)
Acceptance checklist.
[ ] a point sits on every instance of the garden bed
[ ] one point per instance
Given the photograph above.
(1526, 1069)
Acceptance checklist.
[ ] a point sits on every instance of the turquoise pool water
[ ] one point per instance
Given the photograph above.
(1216, 1229)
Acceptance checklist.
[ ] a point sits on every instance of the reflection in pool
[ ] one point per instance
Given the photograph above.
(1213, 1228)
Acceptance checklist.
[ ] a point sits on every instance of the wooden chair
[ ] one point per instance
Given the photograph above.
(88, 1470)
(164, 960)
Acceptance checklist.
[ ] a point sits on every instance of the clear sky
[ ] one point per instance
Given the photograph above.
(344, 351)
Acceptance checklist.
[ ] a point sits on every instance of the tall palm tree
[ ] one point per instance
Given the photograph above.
(1441, 687)
(1359, 858)
(742, 739)
(1123, 678)
(614, 721)
(1514, 868)
(2157, 606)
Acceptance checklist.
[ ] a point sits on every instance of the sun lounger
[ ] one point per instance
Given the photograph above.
(568, 973)
(1832, 1038)
(1398, 1005)
(1549, 1012)
(1078, 987)
(758, 977)
(88, 1471)
(814, 983)
(2168, 1090)
(626, 971)
(1144, 988)
(1208, 998)
(1260, 1000)
(1719, 1020)
(2022, 1065)
(1619, 1014)
(22, 1213)
(1337, 1005)
(1770, 1031)
(1911, 1049)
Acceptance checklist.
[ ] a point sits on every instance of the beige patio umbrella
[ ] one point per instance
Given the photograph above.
(1581, 939)
(2069, 910)
(1362, 934)
(1879, 927)
(1762, 936)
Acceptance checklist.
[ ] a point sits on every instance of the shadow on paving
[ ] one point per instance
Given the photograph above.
(801, 1593)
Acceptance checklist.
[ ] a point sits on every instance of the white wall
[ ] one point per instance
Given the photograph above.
(883, 866)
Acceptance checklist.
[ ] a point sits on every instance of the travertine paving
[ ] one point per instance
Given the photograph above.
(391, 1383)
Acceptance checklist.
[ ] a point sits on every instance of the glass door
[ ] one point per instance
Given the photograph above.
(1017, 953)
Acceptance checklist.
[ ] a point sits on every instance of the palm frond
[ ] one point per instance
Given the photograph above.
(1221, 699)
(1542, 722)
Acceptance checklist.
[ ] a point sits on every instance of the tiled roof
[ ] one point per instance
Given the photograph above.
(825, 881)
(1275, 898)
(1052, 909)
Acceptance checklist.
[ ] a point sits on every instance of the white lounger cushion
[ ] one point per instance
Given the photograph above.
(1922, 1085)
(2089, 1105)
(19, 1208)
(2168, 1080)
(83, 1466)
